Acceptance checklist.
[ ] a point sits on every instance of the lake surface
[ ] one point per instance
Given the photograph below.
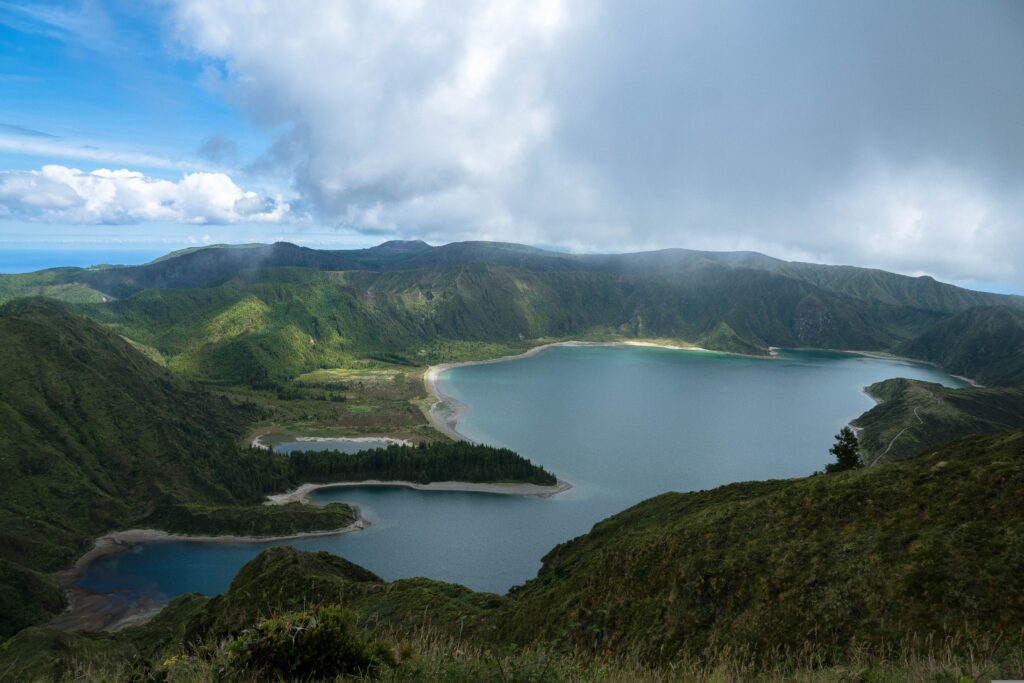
(621, 424)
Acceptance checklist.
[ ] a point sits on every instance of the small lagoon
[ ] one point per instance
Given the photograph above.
(621, 424)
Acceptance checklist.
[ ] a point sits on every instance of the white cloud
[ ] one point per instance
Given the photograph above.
(615, 126)
(926, 220)
(60, 149)
(391, 102)
(59, 194)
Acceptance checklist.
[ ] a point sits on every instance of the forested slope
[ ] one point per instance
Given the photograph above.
(272, 324)
(984, 343)
(98, 438)
(259, 314)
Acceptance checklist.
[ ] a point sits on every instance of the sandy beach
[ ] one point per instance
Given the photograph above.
(301, 494)
(888, 356)
(258, 441)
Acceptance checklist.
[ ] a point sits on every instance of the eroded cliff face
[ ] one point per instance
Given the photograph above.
(813, 324)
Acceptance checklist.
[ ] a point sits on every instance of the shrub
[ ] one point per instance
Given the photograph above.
(322, 642)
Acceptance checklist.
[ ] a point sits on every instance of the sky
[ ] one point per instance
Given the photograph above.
(880, 134)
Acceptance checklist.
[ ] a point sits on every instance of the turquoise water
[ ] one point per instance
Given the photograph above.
(620, 424)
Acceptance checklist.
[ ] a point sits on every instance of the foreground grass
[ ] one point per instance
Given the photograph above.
(431, 656)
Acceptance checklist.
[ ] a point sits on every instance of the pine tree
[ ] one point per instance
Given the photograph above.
(847, 452)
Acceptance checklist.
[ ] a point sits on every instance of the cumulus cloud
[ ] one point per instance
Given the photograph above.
(69, 195)
(388, 103)
(873, 133)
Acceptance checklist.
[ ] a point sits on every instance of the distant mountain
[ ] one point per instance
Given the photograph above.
(264, 313)
(913, 416)
(205, 266)
(985, 343)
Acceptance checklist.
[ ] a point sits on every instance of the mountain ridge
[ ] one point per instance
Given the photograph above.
(255, 314)
(413, 254)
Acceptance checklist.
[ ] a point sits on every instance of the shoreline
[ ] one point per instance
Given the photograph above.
(881, 355)
(447, 423)
(89, 610)
(302, 493)
(92, 611)
(258, 442)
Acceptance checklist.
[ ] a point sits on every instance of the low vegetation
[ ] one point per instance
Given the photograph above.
(928, 549)
(913, 416)
(905, 571)
(318, 643)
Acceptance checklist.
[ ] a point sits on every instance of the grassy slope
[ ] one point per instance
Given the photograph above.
(914, 416)
(984, 343)
(927, 547)
(275, 324)
(46, 654)
(810, 572)
(276, 581)
(98, 437)
(283, 579)
(266, 313)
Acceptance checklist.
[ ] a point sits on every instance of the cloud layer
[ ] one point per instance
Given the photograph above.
(870, 132)
(849, 132)
(60, 194)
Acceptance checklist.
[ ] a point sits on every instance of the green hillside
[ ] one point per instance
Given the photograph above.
(273, 324)
(98, 437)
(904, 571)
(262, 313)
(111, 424)
(914, 416)
(984, 343)
(922, 549)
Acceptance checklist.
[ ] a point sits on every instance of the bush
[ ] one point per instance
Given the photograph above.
(322, 642)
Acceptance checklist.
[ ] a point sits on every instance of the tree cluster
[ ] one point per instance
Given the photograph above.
(443, 461)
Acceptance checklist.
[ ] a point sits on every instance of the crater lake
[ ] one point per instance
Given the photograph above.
(621, 424)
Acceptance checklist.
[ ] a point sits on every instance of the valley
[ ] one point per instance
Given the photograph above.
(623, 377)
